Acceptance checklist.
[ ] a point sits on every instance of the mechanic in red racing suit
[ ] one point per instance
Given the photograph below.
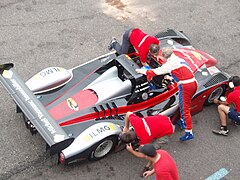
(187, 85)
(136, 38)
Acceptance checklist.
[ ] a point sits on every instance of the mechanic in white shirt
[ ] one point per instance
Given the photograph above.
(187, 85)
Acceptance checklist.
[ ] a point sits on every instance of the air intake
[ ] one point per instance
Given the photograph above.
(215, 80)
(169, 32)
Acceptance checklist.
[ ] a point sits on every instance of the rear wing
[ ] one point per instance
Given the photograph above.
(52, 133)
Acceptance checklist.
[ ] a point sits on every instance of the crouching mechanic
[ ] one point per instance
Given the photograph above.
(147, 130)
(229, 108)
(163, 164)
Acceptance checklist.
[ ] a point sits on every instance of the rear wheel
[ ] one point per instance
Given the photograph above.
(103, 148)
(215, 94)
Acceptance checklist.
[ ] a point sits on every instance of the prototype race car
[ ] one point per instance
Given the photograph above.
(80, 112)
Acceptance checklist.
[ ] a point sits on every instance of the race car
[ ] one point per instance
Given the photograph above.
(80, 112)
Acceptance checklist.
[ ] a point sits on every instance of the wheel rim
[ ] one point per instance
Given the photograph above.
(215, 94)
(103, 148)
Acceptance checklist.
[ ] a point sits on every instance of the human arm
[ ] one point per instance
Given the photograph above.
(218, 102)
(127, 123)
(148, 173)
(145, 64)
(164, 69)
(135, 153)
(144, 49)
(149, 73)
(149, 164)
(143, 56)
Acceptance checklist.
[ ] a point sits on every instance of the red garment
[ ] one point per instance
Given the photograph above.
(186, 92)
(178, 67)
(187, 85)
(141, 43)
(151, 127)
(165, 168)
(234, 97)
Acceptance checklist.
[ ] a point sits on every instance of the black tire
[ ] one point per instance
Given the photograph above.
(103, 148)
(215, 94)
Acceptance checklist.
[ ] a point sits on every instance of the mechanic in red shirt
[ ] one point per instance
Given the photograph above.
(224, 108)
(182, 74)
(136, 38)
(147, 130)
(159, 162)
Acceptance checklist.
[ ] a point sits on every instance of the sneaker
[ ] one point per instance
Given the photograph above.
(221, 132)
(186, 137)
(236, 123)
(110, 46)
(181, 124)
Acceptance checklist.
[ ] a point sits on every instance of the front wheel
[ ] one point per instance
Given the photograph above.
(215, 94)
(103, 148)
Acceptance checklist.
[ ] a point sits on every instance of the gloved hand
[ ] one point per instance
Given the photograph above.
(145, 67)
(141, 71)
(168, 77)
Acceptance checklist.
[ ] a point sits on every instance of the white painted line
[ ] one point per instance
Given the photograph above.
(218, 175)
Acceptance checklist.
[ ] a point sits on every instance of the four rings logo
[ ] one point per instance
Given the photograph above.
(72, 104)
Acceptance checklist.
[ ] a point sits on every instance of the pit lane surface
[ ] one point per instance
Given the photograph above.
(37, 34)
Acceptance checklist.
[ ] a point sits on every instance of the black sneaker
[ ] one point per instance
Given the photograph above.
(110, 46)
(221, 132)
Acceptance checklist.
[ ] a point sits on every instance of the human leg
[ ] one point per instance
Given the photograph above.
(181, 123)
(185, 120)
(114, 43)
(126, 42)
(223, 110)
(186, 92)
(157, 143)
(234, 116)
(124, 47)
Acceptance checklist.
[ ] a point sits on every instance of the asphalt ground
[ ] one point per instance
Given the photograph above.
(35, 34)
